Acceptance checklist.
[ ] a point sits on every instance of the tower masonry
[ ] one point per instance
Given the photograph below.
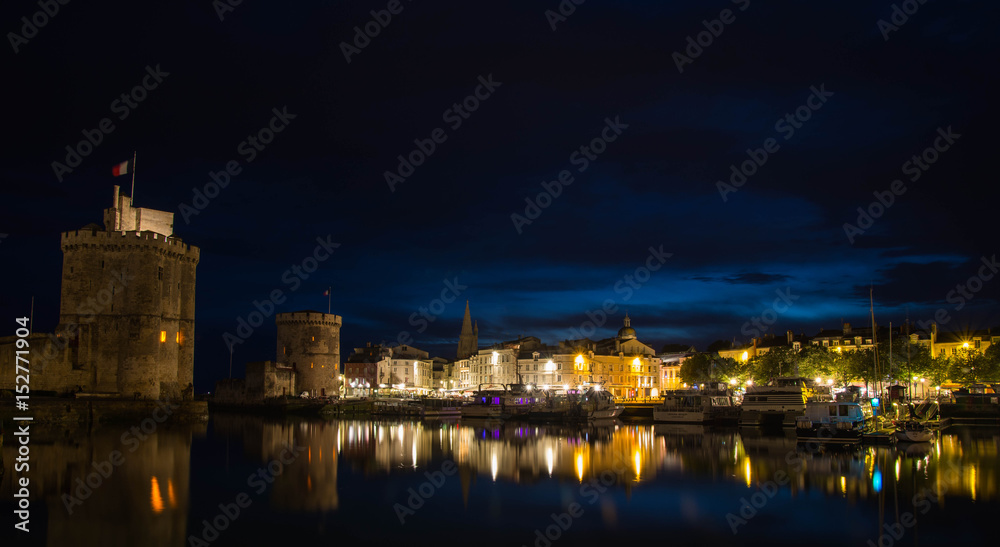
(309, 343)
(126, 314)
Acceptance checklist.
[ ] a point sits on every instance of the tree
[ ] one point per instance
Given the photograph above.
(697, 369)
(779, 361)
(816, 361)
(971, 366)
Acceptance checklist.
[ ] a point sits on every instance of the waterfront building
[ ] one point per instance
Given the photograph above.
(361, 370)
(126, 314)
(406, 369)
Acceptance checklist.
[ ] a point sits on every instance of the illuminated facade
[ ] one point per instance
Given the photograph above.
(406, 369)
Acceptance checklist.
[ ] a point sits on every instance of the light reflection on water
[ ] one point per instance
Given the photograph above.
(350, 474)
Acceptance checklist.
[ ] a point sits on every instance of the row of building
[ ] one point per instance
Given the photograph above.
(622, 364)
(848, 338)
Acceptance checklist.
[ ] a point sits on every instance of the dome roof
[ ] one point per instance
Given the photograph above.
(627, 332)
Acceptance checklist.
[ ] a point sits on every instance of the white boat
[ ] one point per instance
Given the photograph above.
(440, 408)
(594, 404)
(600, 405)
(842, 422)
(782, 401)
(912, 431)
(499, 403)
(694, 406)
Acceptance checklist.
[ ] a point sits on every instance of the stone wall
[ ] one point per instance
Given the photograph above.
(309, 343)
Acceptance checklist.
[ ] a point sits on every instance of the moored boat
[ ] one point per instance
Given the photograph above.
(696, 406)
(499, 403)
(912, 431)
(843, 422)
(780, 402)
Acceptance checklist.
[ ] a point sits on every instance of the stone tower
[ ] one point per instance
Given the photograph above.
(468, 341)
(127, 304)
(309, 342)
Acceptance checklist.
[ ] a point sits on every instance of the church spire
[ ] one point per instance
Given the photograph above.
(468, 340)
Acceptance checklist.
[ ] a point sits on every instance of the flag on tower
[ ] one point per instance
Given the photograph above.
(326, 292)
(122, 168)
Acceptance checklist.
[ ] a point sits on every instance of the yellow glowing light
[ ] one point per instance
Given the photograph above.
(550, 366)
(579, 466)
(178, 337)
(566, 387)
(843, 484)
(829, 381)
(309, 483)
(749, 382)
(155, 497)
(965, 345)
(732, 381)
(494, 466)
(163, 336)
(549, 459)
(170, 494)
(654, 392)
(745, 356)
(638, 464)
(746, 471)
(818, 380)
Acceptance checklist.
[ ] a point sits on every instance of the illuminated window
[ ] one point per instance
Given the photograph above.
(313, 338)
(178, 337)
(163, 336)
(310, 365)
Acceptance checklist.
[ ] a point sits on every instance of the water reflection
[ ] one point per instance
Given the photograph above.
(147, 500)
(87, 499)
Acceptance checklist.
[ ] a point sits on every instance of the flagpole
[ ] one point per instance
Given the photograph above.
(329, 297)
(133, 178)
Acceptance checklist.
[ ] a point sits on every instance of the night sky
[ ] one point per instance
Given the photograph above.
(863, 97)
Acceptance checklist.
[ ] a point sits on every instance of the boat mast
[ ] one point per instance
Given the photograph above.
(871, 301)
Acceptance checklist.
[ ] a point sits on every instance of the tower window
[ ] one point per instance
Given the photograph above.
(178, 337)
(159, 273)
(163, 336)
